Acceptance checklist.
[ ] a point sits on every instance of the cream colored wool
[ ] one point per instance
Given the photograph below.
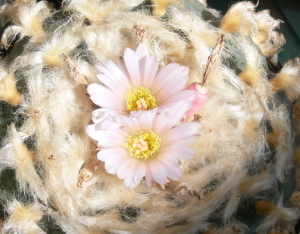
(23, 218)
(234, 160)
(259, 26)
(27, 18)
(8, 90)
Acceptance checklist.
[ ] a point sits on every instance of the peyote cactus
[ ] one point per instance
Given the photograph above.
(211, 140)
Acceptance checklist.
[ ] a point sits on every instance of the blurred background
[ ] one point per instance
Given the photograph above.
(286, 10)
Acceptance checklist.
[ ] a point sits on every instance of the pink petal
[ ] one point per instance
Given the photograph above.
(119, 89)
(126, 169)
(183, 71)
(140, 171)
(142, 63)
(177, 85)
(200, 99)
(142, 51)
(121, 119)
(105, 97)
(149, 72)
(164, 77)
(132, 64)
(109, 124)
(146, 119)
(98, 88)
(134, 124)
(149, 177)
(179, 151)
(160, 122)
(91, 131)
(121, 65)
(166, 156)
(112, 154)
(130, 183)
(158, 171)
(183, 134)
(111, 138)
(108, 101)
(173, 170)
(182, 131)
(113, 158)
(114, 72)
(171, 116)
(184, 95)
(112, 166)
(135, 179)
(100, 114)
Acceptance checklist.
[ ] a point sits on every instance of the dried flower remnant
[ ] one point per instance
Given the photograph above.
(137, 82)
(146, 144)
(201, 91)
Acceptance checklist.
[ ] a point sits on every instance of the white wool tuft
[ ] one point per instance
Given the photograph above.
(23, 219)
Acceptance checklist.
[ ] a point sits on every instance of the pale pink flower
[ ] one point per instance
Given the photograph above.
(146, 144)
(137, 82)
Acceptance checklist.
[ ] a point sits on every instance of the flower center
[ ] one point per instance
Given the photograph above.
(140, 99)
(143, 145)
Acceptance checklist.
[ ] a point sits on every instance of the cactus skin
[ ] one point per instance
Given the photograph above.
(243, 177)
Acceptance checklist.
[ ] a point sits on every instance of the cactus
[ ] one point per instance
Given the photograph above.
(244, 173)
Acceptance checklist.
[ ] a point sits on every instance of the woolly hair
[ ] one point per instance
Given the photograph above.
(243, 174)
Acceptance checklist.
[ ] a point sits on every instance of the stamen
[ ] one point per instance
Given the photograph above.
(140, 99)
(143, 145)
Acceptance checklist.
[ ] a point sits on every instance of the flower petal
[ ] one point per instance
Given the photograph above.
(132, 64)
(130, 182)
(126, 169)
(167, 156)
(112, 154)
(149, 177)
(100, 114)
(133, 124)
(185, 95)
(110, 138)
(142, 51)
(160, 122)
(91, 131)
(138, 174)
(164, 76)
(105, 97)
(179, 151)
(114, 72)
(158, 171)
(173, 170)
(171, 116)
(113, 158)
(173, 88)
(146, 119)
(109, 124)
(140, 171)
(116, 87)
(183, 134)
(149, 71)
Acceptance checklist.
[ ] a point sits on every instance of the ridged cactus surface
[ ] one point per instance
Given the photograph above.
(239, 173)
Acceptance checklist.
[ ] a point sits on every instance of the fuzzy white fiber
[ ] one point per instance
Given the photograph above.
(237, 156)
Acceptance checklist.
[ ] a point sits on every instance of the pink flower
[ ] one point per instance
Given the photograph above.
(137, 82)
(146, 144)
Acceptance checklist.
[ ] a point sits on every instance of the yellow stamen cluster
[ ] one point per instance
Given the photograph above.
(143, 145)
(140, 99)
